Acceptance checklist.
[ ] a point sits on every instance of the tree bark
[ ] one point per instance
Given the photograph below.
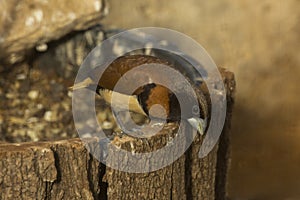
(66, 170)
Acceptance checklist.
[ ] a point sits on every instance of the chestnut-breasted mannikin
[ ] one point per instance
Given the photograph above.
(143, 98)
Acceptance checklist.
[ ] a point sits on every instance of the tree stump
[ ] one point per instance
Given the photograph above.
(65, 169)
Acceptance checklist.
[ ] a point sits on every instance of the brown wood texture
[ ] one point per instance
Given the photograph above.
(66, 170)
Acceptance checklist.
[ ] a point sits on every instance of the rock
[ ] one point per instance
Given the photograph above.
(49, 116)
(33, 94)
(32, 23)
(68, 53)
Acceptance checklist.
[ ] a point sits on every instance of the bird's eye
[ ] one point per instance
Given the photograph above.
(196, 110)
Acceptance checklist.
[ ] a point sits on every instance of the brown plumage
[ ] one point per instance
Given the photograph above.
(123, 64)
(144, 97)
(148, 95)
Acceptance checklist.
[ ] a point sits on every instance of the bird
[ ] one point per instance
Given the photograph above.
(146, 96)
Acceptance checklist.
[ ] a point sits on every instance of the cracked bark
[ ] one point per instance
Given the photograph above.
(65, 169)
(47, 170)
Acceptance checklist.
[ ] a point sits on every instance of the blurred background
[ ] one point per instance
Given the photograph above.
(260, 42)
(257, 40)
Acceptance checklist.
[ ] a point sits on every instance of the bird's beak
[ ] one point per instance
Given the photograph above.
(198, 123)
(83, 84)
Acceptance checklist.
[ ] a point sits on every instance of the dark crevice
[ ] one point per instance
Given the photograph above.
(223, 155)
(49, 187)
(102, 184)
(58, 176)
(90, 177)
(221, 168)
(57, 166)
(188, 174)
(172, 183)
